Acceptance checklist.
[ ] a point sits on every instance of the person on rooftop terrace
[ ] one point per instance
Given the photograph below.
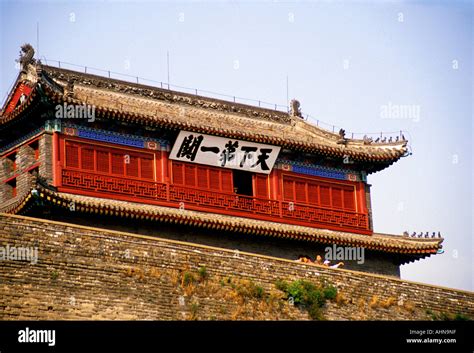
(339, 264)
(319, 260)
(304, 259)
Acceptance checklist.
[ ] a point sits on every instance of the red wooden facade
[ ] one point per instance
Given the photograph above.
(22, 89)
(140, 175)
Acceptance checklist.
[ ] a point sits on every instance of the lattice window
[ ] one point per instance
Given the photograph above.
(288, 190)
(146, 167)
(190, 175)
(349, 200)
(226, 181)
(336, 197)
(261, 186)
(313, 194)
(178, 173)
(87, 158)
(118, 163)
(214, 180)
(324, 194)
(72, 156)
(103, 161)
(109, 160)
(203, 177)
(132, 166)
(300, 191)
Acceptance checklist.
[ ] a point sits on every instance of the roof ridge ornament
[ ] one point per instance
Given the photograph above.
(27, 53)
(368, 140)
(342, 137)
(295, 108)
(68, 89)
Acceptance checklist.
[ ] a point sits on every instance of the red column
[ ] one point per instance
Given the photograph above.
(164, 164)
(56, 163)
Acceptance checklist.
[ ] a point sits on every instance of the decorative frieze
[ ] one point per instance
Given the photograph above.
(114, 137)
(319, 171)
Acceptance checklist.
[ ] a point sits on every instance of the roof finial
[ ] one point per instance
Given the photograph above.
(295, 108)
(342, 137)
(26, 56)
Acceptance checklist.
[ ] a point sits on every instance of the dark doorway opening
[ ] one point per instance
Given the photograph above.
(242, 182)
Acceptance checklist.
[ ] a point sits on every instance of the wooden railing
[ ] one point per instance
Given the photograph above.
(165, 194)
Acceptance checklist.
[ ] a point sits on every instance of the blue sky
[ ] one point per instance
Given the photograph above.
(345, 61)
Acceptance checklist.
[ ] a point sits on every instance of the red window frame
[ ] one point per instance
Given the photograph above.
(261, 186)
(202, 177)
(313, 191)
(134, 163)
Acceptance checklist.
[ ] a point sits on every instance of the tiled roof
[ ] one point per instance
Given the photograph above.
(109, 207)
(152, 106)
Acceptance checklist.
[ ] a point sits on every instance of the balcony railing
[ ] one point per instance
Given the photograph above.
(211, 201)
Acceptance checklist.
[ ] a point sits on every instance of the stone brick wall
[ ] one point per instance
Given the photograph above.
(6, 172)
(374, 261)
(46, 157)
(90, 273)
(24, 159)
